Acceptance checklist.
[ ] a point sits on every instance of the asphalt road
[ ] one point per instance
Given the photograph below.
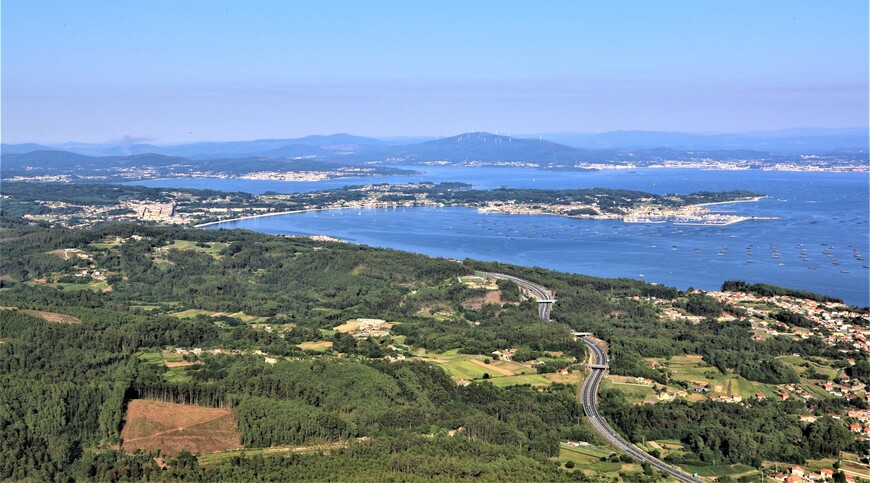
(540, 292)
(590, 388)
(590, 407)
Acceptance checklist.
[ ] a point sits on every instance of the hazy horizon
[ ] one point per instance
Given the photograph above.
(170, 72)
(799, 132)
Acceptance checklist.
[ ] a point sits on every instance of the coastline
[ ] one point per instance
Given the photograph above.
(750, 200)
(261, 215)
(506, 212)
(293, 212)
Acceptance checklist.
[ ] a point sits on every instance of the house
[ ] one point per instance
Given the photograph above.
(826, 473)
(760, 395)
(855, 428)
(797, 470)
(779, 477)
(794, 479)
(462, 383)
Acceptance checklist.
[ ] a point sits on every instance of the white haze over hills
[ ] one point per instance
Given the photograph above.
(790, 141)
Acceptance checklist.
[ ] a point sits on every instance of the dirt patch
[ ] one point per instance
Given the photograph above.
(52, 317)
(348, 327)
(315, 345)
(502, 371)
(473, 303)
(173, 428)
(570, 378)
(493, 297)
(182, 364)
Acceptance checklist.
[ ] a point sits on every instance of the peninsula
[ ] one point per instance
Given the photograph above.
(88, 204)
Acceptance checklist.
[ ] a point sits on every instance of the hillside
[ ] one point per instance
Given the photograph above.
(409, 365)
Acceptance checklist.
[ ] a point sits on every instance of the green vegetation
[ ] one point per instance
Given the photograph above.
(765, 430)
(64, 386)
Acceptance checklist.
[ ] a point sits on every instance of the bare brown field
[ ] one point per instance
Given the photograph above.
(323, 344)
(173, 428)
(493, 297)
(182, 364)
(348, 327)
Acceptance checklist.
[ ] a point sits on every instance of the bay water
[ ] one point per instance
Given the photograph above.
(820, 241)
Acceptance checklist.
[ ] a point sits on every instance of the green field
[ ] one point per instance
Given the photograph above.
(173, 374)
(213, 249)
(587, 459)
(633, 393)
(695, 371)
(720, 470)
(467, 370)
(96, 286)
(151, 357)
(595, 452)
(105, 243)
(533, 379)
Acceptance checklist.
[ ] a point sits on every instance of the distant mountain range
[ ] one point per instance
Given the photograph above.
(329, 153)
(149, 165)
(790, 141)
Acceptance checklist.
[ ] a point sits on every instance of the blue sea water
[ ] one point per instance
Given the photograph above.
(816, 244)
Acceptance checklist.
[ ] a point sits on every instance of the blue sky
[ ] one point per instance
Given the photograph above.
(169, 71)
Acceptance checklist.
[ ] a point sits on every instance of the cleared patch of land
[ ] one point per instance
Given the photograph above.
(173, 428)
(172, 361)
(212, 249)
(492, 367)
(532, 379)
(348, 327)
(321, 345)
(693, 369)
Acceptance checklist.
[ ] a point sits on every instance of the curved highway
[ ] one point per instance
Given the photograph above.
(590, 387)
(590, 407)
(538, 291)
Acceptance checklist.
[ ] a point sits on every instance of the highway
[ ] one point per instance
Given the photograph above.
(590, 387)
(590, 407)
(540, 292)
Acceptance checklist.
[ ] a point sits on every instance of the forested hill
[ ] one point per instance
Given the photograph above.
(380, 365)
